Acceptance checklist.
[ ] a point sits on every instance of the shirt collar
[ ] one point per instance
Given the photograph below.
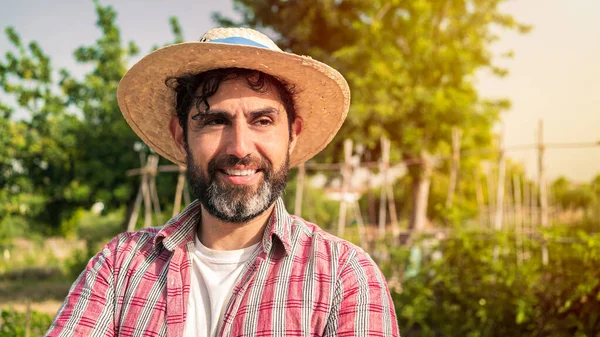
(182, 228)
(279, 226)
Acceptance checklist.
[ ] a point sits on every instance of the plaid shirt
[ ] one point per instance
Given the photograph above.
(303, 282)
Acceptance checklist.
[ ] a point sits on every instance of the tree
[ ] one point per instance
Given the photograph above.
(39, 152)
(73, 147)
(410, 66)
(106, 140)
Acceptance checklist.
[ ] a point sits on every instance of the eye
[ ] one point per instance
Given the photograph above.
(263, 122)
(215, 121)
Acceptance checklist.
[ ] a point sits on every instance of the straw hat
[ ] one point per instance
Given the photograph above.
(322, 95)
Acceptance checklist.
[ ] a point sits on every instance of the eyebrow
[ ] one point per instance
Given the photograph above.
(226, 114)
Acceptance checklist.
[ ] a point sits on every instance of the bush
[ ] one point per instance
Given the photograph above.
(15, 324)
(476, 287)
(96, 230)
(12, 227)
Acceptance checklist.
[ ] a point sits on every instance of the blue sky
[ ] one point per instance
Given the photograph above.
(554, 76)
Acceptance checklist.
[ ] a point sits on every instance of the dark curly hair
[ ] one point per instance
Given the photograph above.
(194, 90)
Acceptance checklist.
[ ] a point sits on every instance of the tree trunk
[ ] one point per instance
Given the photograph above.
(421, 181)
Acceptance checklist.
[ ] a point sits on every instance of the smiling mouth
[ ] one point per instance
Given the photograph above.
(239, 173)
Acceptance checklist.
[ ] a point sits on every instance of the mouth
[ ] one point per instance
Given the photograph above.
(239, 176)
(239, 173)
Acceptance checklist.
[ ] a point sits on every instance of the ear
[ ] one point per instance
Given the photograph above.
(177, 133)
(296, 130)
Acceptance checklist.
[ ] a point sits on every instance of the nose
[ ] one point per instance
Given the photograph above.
(239, 140)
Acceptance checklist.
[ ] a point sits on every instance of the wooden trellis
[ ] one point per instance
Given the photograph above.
(147, 191)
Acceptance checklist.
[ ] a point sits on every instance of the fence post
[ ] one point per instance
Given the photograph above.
(179, 190)
(543, 215)
(345, 185)
(383, 170)
(518, 217)
(541, 177)
(500, 187)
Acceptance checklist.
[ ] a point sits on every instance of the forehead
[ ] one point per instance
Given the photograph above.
(237, 93)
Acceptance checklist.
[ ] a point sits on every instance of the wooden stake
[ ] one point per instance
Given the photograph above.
(383, 170)
(371, 197)
(526, 215)
(151, 166)
(153, 192)
(509, 204)
(179, 190)
(147, 202)
(392, 210)
(518, 201)
(543, 193)
(136, 211)
(186, 194)
(500, 191)
(526, 203)
(534, 207)
(345, 186)
(541, 177)
(421, 189)
(518, 217)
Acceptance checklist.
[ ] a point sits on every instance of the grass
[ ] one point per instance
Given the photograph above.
(34, 273)
(44, 296)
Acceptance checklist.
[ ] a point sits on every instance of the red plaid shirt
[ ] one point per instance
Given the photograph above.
(303, 282)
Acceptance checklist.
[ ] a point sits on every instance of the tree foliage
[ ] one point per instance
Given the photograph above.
(410, 65)
(73, 146)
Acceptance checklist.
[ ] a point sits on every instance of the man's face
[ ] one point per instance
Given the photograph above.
(238, 151)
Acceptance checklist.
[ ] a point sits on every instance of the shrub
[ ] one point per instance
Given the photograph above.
(478, 287)
(18, 324)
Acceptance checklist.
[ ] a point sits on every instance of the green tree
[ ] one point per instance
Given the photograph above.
(38, 152)
(73, 147)
(410, 66)
(579, 197)
(106, 141)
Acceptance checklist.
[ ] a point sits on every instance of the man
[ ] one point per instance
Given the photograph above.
(238, 112)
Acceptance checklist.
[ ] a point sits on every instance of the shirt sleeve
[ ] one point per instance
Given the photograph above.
(362, 305)
(89, 306)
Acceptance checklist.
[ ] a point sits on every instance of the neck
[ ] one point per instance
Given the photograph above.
(219, 235)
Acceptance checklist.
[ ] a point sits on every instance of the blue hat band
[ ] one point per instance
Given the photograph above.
(239, 41)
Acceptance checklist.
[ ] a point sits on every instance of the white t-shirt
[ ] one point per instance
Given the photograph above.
(214, 274)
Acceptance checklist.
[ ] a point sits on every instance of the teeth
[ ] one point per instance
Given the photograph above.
(240, 172)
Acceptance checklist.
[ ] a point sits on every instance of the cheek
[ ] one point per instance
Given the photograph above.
(275, 148)
(202, 148)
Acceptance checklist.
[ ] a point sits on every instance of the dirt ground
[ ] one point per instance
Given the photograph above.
(44, 296)
(49, 307)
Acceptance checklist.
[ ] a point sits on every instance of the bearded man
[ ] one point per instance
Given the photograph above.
(238, 113)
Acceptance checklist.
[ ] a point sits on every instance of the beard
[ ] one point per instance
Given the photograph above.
(236, 203)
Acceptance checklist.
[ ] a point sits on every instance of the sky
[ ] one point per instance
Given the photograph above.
(554, 75)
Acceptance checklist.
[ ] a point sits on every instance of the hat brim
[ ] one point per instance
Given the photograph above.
(322, 96)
